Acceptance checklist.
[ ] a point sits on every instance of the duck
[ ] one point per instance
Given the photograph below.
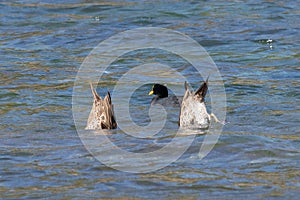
(102, 113)
(193, 112)
(162, 96)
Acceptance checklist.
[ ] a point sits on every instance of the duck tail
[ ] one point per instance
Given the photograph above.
(201, 92)
(95, 94)
(185, 85)
(207, 79)
(109, 111)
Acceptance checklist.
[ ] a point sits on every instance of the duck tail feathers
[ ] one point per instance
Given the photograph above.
(201, 92)
(95, 94)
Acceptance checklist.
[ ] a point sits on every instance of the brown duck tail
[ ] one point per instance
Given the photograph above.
(111, 122)
(201, 92)
(95, 94)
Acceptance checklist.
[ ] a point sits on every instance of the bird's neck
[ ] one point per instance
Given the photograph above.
(163, 95)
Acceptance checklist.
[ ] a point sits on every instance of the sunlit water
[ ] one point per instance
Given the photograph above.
(43, 45)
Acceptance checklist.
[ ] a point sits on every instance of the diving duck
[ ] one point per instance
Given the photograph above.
(102, 113)
(162, 96)
(193, 113)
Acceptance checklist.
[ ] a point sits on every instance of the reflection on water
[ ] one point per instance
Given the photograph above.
(43, 45)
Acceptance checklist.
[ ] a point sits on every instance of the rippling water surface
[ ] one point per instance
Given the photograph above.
(43, 45)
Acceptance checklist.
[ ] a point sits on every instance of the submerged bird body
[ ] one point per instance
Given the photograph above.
(162, 96)
(102, 114)
(193, 113)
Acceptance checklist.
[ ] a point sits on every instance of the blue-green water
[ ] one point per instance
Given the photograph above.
(42, 46)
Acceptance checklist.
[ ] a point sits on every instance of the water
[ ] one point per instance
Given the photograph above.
(43, 45)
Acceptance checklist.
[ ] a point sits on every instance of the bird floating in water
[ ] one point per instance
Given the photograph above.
(193, 113)
(102, 113)
(162, 96)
